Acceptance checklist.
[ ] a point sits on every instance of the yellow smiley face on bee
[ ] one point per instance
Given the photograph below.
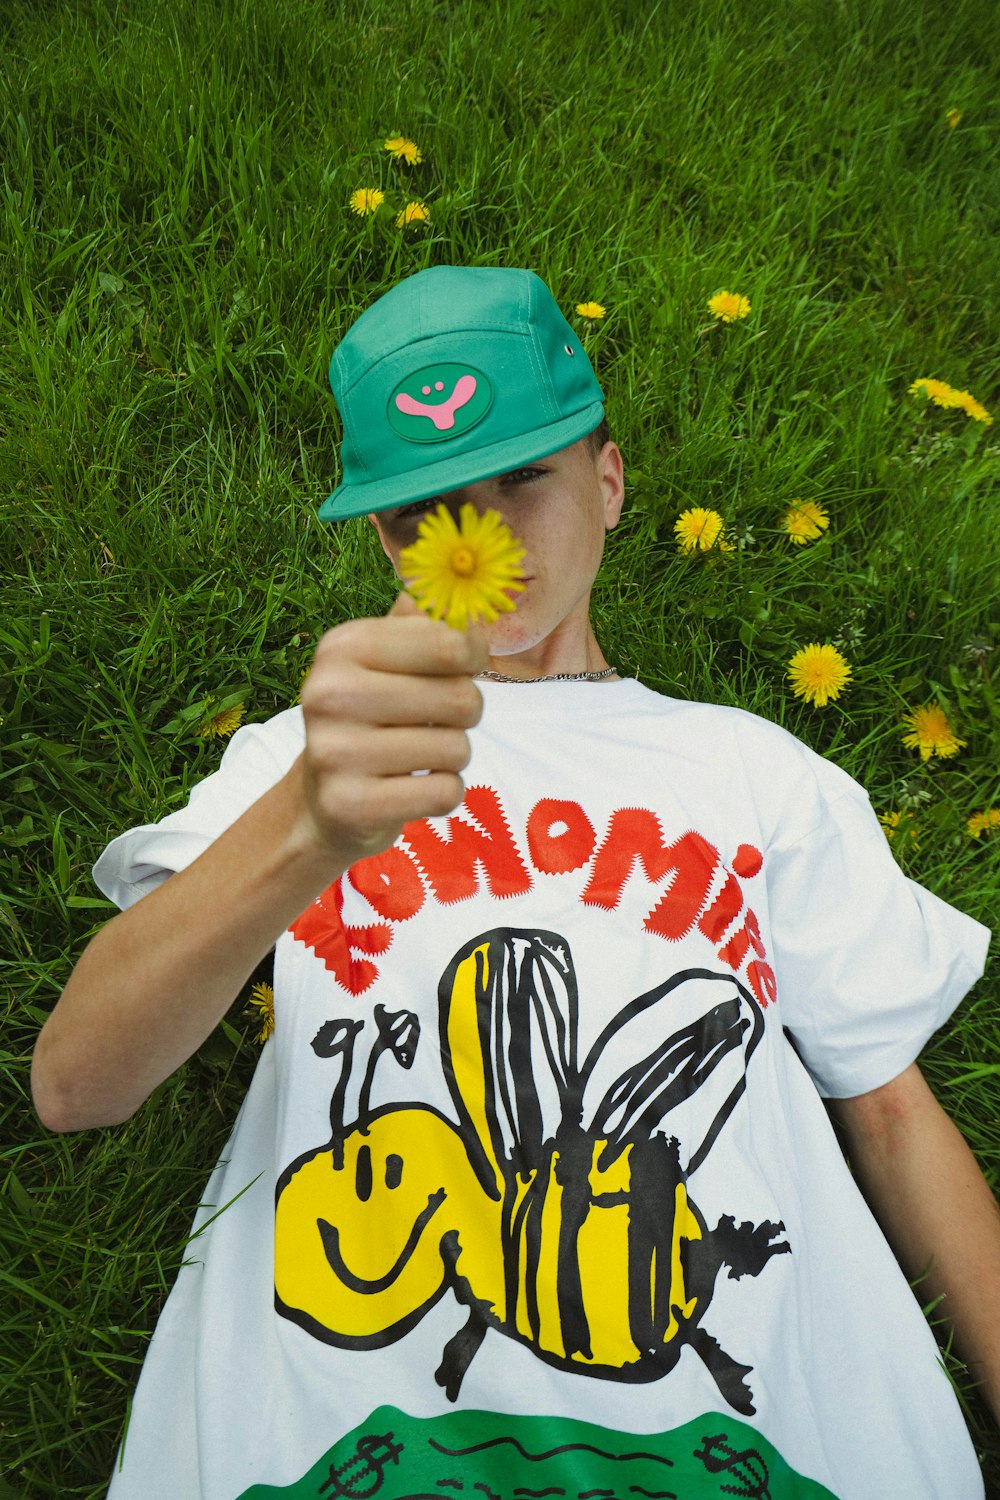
(367, 1227)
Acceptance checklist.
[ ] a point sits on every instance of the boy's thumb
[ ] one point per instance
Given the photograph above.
(404, 604)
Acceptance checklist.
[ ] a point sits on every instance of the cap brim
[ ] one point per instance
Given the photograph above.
(461, 469)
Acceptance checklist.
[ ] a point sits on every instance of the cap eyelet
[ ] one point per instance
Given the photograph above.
(569, 350)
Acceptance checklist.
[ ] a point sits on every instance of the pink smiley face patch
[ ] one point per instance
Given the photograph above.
(438, 402)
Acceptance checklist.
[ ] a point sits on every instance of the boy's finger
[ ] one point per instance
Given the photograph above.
(404, 640)
(478, 652)
(404, 604)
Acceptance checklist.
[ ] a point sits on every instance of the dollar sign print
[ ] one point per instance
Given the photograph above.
(746, 1466)
(362, 1475)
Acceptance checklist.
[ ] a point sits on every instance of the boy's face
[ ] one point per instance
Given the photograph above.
(560, 508)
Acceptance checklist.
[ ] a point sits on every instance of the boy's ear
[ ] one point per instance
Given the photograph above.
(373, 518)
(611, 473)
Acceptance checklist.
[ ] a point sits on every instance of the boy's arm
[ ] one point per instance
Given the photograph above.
(385, 698)
(936, 1209)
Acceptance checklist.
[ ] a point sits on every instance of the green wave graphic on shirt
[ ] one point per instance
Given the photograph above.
(487, 1456)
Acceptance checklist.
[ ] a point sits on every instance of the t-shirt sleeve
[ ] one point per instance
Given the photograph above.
(868, 963)
(257, 756)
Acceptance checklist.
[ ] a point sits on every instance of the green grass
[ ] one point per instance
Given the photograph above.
(178, 262)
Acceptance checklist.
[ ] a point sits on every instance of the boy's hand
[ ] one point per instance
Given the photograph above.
(386, 698)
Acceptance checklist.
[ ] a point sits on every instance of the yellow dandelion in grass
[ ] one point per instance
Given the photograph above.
(952, 399)
(262, 1000)
(222, 724)
(952, 117)
(931, 733)
(984, 822)
(728, 306)
(413, 213)
(967, 402)
(404, 150)
(938, 391)
(700, 530)
(591, 310)
(901, 825)
(366, 200)
(804, 521)
(463, 573)
(818, 674)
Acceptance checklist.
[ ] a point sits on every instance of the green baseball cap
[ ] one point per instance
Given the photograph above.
(455, 375)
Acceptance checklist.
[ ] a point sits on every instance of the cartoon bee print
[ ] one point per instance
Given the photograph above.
(554, 1206)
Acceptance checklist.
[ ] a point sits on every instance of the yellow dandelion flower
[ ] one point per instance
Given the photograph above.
(590, 310)
(700, 530)
(984, 822)
(938, 391)
(966, 402)
(818, 674)
(943, 394)
(403, 150)
(221, 725)
(366, 200)
(952, 117)
(262, 999)
(463, 573)
(901, 823)
(728, 306)
(413, 213)
(930, 733)
(804, 521)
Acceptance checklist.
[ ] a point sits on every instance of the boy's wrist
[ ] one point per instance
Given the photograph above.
(310, 851)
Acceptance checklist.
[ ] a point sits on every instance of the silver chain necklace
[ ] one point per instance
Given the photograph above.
(555, 677)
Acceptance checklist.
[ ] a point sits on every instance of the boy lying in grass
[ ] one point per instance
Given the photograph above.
(534, 1190)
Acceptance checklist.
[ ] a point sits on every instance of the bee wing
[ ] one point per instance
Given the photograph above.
(508, 1006)
(690, 1081)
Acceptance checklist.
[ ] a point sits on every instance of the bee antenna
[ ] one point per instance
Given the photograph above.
(337, 1039)
(398, 1033)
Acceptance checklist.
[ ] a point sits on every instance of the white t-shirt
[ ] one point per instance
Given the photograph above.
(533, 1191)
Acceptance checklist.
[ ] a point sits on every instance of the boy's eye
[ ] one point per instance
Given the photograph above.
(419, 508)
(414, 511)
